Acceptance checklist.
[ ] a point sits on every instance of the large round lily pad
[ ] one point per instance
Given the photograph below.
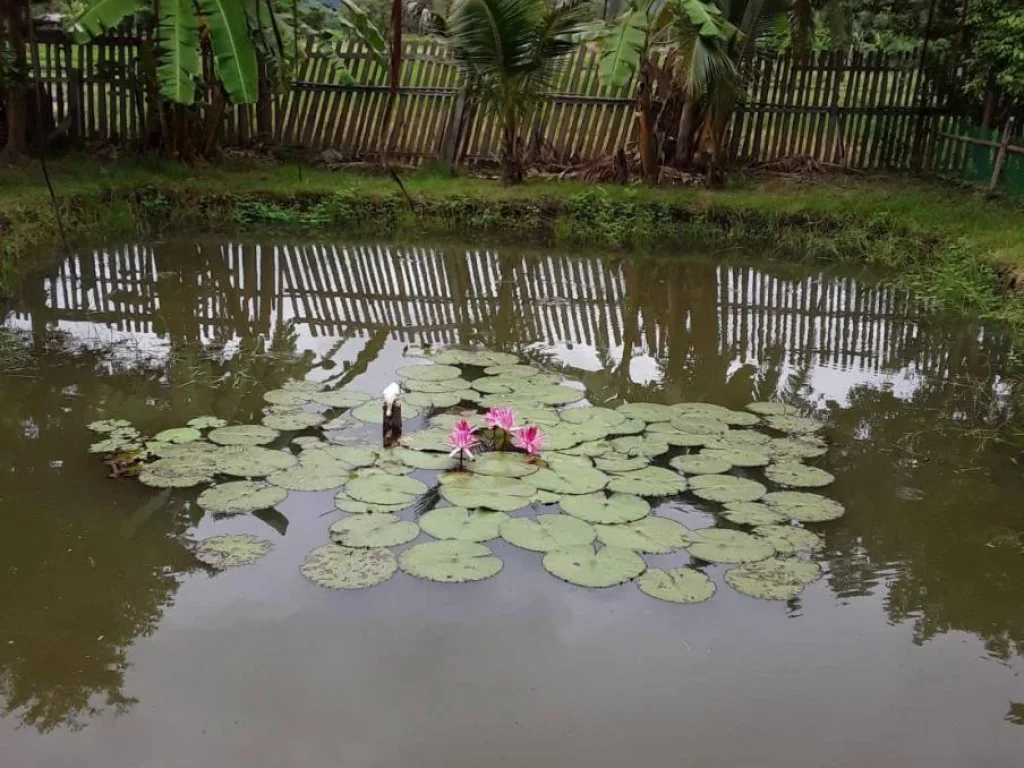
(739, 439)
(436, 387)
(547, 532)
(337, 567)
(504, 464)
(640, 445)
(567, 477)
(548, 393)
(663, 430)
(118, 443)
(797, 475)
(447, 421)
(309, 478)
(724, 546)
(653, 535)
(718, 413)
(647, 412)
(794, 425)
(694, 425)
(598, 508)
(774, 579)
(432, 399)
(372, 412)
(620, 462)
(788, 540)
(206, 422)
(345, 503)
(232, 551)
(427, 440)
(677, 585)
(649, 481)
(630, 427)
(738, 457)
(251, 461)
(240, 496)
(346, 456)
(584, 567)
(751, 513)
(341, 398)
(462, 524)
(480, 358)
(179, 435)
(293, 421)
(724, 488)
(517, 370)
(605, 418)
(420, 459)
(804, 507)
(593, 448)
(698, 464)
(773, 409)
(104, 426)
(429, 372)
(472, 491)
(293, 398)
(796, 448)
(385, 489)
(244, 434)
(183, 471)
(450, 561)
(371, 531)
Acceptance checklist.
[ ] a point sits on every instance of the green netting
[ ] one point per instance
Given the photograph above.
(980, 161)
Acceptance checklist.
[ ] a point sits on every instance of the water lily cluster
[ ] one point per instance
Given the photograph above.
(502, 433)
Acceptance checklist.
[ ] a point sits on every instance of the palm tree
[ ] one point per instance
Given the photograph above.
(508, 50)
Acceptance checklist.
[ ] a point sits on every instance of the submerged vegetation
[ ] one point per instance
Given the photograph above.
(595, 476)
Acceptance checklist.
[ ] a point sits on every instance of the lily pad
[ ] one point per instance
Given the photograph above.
(232, 551)
(478, 358)
(251, 461)
(584, 567)
(337, 567)
(341, 398)
(774, 579)
(427, 440)
(598, 508)
(450, 561)
(652, 535)
(309, 478)
(797, 475)
(804, 507)
(630, 427)
(240, 496)
(420, 459)
(244, 434)
(372, 531)
(739, 439)
(372, 412)
(724, 488)
(429, 372)
(108, 425)
(794, 425)
(677, 585)
(549, 394)
(567, 477)
(647, 412)
(116, 444)
(561, 437)
(294, 398)
(593, 448)
(605, 418)
(462, 524)
(504, 464)
(517, 370)
(663, 430)
(718, 413)
(718, 545)
(178, 436)
(432, 399)
(547, 532)
(797, 448)
(436, 387)
(447, 421)
(346, 456)
(206, 422)
(177, 472)
(472, 491)
(772, 409)
(788, 540)
(649, 481)
(545, 497)
(194, 449)
(385, 489)
(751, 513)
(699, 464)
(620, 462)
(738, 457)
(693, 425)
(345, 503)
(640, 445)
(293, 421)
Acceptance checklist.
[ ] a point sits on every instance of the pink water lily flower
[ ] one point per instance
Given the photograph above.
(462, 440)
(530, 439)
(502, 418)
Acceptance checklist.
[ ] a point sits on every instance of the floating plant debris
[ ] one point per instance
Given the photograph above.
(541, 445)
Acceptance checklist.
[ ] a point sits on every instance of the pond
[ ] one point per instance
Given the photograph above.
(119, 648)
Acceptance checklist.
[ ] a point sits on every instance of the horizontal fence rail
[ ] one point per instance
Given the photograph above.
(862, 111)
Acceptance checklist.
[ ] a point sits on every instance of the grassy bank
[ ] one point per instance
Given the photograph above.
(956, 247)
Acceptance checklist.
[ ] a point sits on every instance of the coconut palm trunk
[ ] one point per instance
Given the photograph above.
(14, 17)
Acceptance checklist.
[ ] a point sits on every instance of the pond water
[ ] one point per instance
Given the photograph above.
(118, 649)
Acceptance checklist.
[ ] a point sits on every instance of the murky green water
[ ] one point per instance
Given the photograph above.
(118, 650)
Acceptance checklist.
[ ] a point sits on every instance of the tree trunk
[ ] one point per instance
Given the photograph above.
(513, 167)
(15, 93)
(684, 138)
(645, 127)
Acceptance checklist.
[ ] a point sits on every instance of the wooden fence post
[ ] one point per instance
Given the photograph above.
(453, 133)
(997, 167)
